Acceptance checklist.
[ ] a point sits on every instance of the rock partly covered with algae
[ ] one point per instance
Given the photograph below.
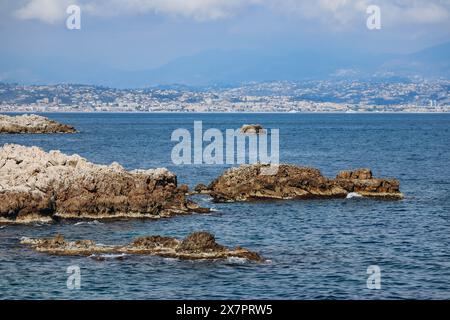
(197, 245)
(32, 124)
(251, 182)
(41, 186)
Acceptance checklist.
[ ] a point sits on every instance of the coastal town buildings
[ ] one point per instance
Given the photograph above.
(279, 96)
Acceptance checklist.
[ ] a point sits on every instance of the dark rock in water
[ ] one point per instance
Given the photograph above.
(252, 129)
(249, 182)
(32, 124)
(201, 188)
(40, 186)
(155, 242)
(200, 242)
(357, 174)
(197, 245)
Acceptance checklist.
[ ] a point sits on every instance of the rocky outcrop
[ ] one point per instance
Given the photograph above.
(249, 182)
(201, 188)
(252, 129)
(32, 124)
(40, 186)
(197, 245)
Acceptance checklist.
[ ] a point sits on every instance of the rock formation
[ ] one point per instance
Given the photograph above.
(252, 129)
(197, 245)
(248, 182)
(201, 188)
(40, 186)
(32, 124)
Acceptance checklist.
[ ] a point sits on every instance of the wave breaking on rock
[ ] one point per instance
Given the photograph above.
(249, 182)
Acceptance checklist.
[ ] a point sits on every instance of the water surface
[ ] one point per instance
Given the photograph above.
(318, 249)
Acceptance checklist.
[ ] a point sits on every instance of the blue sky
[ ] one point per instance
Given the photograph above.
(145, 34)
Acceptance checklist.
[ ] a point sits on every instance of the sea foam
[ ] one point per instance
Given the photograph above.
(353, 195)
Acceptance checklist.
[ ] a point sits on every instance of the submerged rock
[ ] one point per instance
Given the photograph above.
(41, 186)
(248, 182)
(197, 245)
(252, 129)
(32, 124)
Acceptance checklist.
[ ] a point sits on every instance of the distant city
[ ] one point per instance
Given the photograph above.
(277, 96)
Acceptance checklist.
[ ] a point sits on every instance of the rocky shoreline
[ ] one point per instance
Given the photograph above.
(196, 246)
(39, 186)
(32, 124)
(249, 183)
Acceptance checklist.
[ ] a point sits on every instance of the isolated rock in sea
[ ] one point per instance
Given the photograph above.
(41, 186)
(252, 129)
(249, 182)
(32, 124)
(201, 188)
(197, 245)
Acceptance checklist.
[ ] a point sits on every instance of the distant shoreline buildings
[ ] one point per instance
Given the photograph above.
(313, 96)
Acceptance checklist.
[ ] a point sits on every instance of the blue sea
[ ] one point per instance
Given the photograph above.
(315, 249)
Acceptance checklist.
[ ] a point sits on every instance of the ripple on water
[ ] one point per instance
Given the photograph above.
(321, 248)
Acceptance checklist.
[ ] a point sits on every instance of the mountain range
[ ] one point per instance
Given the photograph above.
(217, 67)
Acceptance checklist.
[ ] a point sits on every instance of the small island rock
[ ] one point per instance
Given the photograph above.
(248, 182)
(252, 129)
(196, 246)
(32, 124)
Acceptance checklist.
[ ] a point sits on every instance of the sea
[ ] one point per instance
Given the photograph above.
(314, 249)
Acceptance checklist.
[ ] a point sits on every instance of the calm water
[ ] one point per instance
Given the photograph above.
(318, 249)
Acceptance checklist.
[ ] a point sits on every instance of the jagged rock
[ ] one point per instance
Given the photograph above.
(156, 242)
(201, 188)
(36, 186)
(32, 124)
(200, 242)
(197, 245)
(248, 182)
(252, 129)
(357, 174)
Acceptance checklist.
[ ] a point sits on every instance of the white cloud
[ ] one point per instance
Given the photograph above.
(340, 12)
(196, 9)
(52, 11)
(430, 13)
(48, 11)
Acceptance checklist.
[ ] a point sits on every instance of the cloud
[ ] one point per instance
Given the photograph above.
(349, 12)
(335, 12)
(200, 10)
(53, 11)
(48, 11)
(428, 14)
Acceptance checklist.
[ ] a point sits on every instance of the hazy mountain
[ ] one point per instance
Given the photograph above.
(229, 67)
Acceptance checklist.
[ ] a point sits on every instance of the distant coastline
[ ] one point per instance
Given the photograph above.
(224, 112)
(267, 97)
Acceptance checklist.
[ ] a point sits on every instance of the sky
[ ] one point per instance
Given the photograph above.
(145, 34)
